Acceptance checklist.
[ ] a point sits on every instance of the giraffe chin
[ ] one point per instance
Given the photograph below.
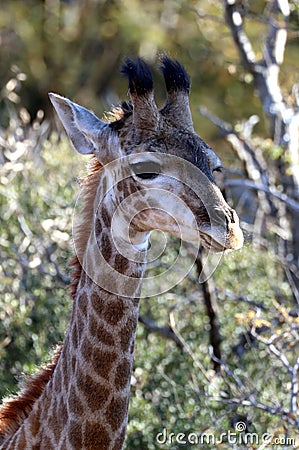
(232, 241)
(219, 241)
(211, 244)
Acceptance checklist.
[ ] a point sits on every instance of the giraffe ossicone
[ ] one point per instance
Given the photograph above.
(149, 171)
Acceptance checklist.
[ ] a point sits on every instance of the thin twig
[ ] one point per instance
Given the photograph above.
(269, 190)
(294, 388)
(188, 350)
(165, 331)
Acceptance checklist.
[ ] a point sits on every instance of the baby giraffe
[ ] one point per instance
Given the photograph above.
(149, 170)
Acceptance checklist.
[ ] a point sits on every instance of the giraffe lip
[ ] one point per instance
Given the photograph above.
(210, 242)
(206, 238)
(231, 240)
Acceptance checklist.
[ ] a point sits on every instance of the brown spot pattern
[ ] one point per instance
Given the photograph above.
(80, 324)
(93, 326)
(116, 412)
(86, 349)
(75, 404)
(55, 422)
(105, 216)
(74, 362)
(96, 437)
(21, 441)
(57, 382)
(35, 423)
(126, 333)
(103, 361)
(95, 329)
(62, 412)
(105, 337)
(65, 371)
(75, 338)
(121, 264)
(122, 374)
(106, 247)
(120, 440)
(98, 227)
(75, 434)
(114, 311)
(95, 393)
(82, 303)
(97, 304)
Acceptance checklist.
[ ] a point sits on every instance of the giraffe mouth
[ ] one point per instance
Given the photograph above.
(209, 242)
(220, 240)
(221, 236)
(231, 239)
(217, 240)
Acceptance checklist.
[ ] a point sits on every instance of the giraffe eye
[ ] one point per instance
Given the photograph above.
(218, 169)
(146, 170)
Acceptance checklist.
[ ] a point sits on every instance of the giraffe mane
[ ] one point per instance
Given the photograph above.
(89, 185)
(15, 410)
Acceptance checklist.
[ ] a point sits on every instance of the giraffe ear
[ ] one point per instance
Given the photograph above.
(82, 126)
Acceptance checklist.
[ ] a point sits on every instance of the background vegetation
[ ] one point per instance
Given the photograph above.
(75, 48)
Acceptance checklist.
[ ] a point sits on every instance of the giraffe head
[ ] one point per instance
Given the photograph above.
(159, 168)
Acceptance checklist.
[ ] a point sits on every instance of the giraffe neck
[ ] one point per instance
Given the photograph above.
(98, 357)
(85, 404)
(97, 363)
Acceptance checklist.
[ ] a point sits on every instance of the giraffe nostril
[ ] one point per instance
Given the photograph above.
(230, 217)
(235, 234)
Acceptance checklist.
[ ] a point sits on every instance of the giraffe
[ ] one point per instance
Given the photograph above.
(80, 400)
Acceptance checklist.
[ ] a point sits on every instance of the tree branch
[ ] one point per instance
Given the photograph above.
(269, 190)
(255, 165)
(265, 72)
(165, 331)
(284, 120)
(294, 388)
(209, 297)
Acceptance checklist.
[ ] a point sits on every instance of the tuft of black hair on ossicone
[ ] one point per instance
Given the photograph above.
(139, 76)
(175, 76)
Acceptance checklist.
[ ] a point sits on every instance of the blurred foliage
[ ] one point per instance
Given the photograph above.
(171, 388)
(183, 394)
(36, 203)
(75, 48)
